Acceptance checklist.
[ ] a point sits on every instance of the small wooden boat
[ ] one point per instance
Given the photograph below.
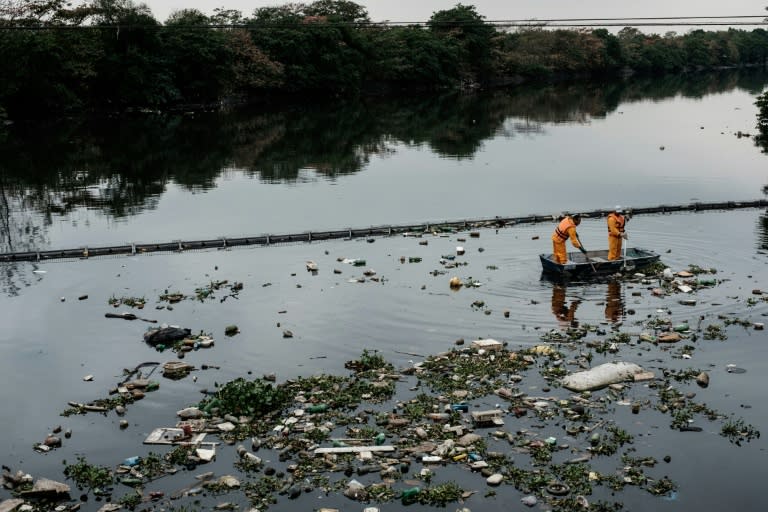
(597, 262)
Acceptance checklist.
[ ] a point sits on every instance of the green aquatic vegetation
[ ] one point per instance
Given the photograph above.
(638, 461)
(682, 375)
(715, 332)
(87, 475)
(662, 487)
(609, 442)
(369, 360)
(541, 453)
(736, 431)
(554, 372)
(246, 397)
(735, 321)
(417, 408)
(380, 493)
(479, 374)
(603, 347)
(247, 465)
(654, 268)
(130, 500)
(620, 337)
(133, 302)
(261, 492)
(151, 465)
(172, 297)
(179, 455)
(317, 435)
(203, 293)
(681, 417)
(575, 476)
(440, 495)
(684, 350)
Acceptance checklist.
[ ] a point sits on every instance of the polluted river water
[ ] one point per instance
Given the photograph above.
(666, 443)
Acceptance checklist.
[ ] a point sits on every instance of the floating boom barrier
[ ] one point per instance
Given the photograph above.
(351, 233)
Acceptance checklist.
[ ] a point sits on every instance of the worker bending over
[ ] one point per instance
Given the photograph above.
(565, 230)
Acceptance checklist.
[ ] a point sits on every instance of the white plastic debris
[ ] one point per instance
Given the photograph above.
(601, 376)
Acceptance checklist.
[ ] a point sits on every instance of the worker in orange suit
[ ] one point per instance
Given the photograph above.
(566, 229)
(616, 233)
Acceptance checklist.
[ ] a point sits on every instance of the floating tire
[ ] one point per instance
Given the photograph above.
(558, 489)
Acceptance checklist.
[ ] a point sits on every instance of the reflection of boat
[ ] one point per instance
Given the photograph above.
(596, 262)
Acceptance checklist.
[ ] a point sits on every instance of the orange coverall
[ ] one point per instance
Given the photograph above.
(616, 224)
(565, 230)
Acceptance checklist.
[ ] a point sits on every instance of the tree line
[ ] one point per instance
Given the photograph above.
(114, 55)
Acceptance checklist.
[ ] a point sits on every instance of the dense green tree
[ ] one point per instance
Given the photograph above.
(612, 55)
(126, 58)
(251, 70)
(411, 57)
(132, 71)
(464, 30)
(47, 71)
(316, 54)
(338, 10)
(198, 58)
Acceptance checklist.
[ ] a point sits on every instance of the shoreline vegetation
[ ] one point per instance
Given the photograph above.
(114, 56)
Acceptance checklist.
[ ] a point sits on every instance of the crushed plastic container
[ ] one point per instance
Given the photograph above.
(132, 461)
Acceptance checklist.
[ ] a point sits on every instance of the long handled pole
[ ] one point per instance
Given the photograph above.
(624, 265)
(584, 250)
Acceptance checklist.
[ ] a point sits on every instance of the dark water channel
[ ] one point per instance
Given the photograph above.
(537, 151)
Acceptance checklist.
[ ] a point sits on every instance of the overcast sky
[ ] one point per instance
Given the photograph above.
(421, 10)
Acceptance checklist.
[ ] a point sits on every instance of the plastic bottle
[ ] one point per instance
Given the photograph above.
(317, 408)
(460, 407)
(380, 438)
(410, 495)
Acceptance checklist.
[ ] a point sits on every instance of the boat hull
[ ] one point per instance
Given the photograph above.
(596, 262)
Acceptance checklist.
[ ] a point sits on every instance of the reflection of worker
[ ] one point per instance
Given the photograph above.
(614, 305)
(616, 234)
(565, 230)
(564, 314)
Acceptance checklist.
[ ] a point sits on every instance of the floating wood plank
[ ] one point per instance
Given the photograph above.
(355, 449)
